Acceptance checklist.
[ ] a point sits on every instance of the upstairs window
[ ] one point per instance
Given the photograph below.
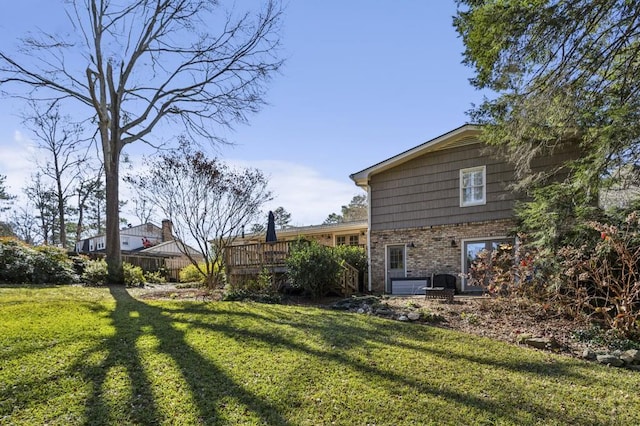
(473, 186)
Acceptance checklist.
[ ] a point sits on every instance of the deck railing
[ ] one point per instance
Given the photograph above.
(251, 258)
(255, 255)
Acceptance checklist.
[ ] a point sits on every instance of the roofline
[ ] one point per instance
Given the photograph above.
(466, 131)
(311, 229)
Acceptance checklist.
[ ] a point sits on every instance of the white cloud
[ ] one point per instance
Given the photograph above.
(17, 162)
(303, 192)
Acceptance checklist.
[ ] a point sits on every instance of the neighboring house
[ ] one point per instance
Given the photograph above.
(433, 208)
(148, 246)
(132, 238)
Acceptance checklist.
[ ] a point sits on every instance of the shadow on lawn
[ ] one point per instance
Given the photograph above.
(207, 383)
(341, 335)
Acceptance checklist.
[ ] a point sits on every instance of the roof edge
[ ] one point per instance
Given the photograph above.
(362, 177)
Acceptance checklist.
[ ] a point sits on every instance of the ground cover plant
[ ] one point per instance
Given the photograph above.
(77, 355)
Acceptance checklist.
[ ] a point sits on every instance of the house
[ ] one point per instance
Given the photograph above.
(345, 233)
(132, 238)
(149, 246)
(433, 208)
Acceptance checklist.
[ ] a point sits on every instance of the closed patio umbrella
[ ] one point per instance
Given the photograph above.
(271, 229)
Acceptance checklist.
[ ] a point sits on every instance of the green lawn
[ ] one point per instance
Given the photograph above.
(72, 355)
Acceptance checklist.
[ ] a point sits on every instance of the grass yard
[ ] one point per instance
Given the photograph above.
(73, 355)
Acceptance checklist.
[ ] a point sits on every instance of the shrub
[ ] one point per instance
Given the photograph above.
(15, 261)
(260, 289)
(605, 279)
(313, 267)
(133, 275)
(95, 273)
(356, 257)
(155, 277)
(51, 265)
(191, 274)
(235, 295)
(21, 263)
(509, 271)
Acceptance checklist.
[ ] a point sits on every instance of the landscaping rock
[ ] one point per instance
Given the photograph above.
(632, 356)
(589, 355)
(413, 316)
(611, 360)
(403, 318)
(542, 343)
(522, 338)
(384, 312)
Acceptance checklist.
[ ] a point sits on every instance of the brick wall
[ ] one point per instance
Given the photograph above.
(433, 250)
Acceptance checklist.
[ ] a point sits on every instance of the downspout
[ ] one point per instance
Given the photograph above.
(369, 236)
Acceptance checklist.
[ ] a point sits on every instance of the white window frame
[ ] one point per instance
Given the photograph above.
(482, 169)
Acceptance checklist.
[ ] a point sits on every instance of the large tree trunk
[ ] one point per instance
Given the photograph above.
(114, 257)
(112, 233)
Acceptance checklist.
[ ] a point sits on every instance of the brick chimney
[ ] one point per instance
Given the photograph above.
(167, 230)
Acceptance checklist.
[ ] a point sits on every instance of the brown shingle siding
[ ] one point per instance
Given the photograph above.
(425, 191)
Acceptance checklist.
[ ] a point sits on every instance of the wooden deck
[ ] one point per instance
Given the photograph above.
(252, 259)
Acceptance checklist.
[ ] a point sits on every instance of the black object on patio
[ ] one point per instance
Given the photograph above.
(271, 229)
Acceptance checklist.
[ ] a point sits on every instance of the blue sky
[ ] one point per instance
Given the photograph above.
(363, 81)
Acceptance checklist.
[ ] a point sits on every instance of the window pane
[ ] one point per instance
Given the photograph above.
(477, 194)
(396, 258)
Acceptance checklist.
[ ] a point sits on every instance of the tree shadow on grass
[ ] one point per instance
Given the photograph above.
(378, 373)
(207, 383)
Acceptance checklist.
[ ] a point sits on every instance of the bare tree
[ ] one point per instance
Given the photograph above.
(24, 224)
(61, 139)
(140, 64)
(44, 201)
(207, 202)
(142, 209)
(5, 197)
(90, 186)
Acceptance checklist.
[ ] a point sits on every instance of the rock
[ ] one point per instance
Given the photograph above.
(542, 343)
(611, 360)
(384, 312)
(632, 356)
(361, 311)
(403, 318)
(589, 355)
(413, 316)
(522, 338)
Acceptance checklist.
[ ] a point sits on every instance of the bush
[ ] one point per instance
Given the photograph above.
(15, 261)
(605, 279)
(95, 273)
(191, 274)
(155, 277)
(133, 275)
(509, 271)
(260, 289)
(356, 257)
(313, 267)
(21, 263)
(51, 265)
